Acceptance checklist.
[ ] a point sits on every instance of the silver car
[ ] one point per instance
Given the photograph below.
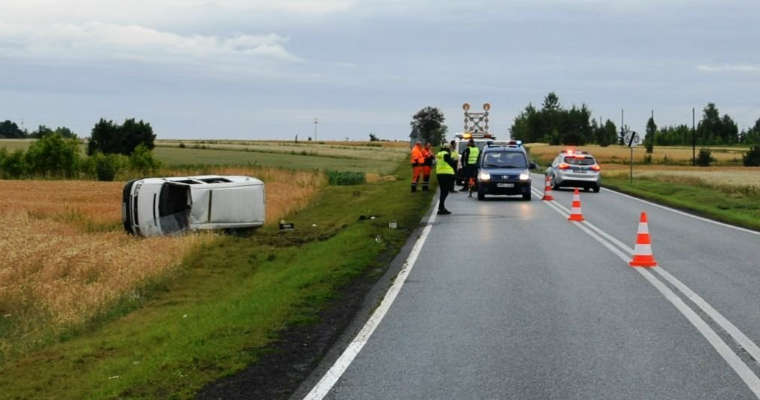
(575, 169)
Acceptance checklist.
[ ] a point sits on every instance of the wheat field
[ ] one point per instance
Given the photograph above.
(661, 155)
(64, 256)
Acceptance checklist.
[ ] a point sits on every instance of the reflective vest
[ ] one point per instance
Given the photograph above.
(474, 153)
(441, 166)
(417, 157)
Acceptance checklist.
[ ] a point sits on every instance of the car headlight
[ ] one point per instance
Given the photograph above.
(524, 176)
(484, 176)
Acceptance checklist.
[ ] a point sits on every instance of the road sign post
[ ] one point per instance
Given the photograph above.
(632, 139)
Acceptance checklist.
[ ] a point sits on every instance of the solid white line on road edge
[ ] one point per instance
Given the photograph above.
(684, 213)
(330, 378)
(733, 360)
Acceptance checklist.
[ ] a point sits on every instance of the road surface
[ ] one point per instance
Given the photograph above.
(508, 300)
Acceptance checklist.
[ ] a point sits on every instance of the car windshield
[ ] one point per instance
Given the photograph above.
(580, 160)
(504, 159)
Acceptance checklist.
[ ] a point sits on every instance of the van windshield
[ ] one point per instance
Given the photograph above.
(174, 207)
(504, 159)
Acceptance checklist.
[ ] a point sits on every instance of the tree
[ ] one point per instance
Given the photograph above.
(52, 155)
(428, 126)
(41, 131)
(554, 124)
(650, 137)
(9, 130)
(108, 137)
(373, 138)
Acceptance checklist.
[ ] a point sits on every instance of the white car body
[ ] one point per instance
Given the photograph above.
(161, 206)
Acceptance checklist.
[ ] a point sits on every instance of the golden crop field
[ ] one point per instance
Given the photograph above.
(621, 154)
(360, 150)
(64, 255)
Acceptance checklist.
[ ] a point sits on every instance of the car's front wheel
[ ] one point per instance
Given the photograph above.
(526, 196)
(481, 195)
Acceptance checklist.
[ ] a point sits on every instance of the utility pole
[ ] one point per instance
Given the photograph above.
(316, 122)
(693, 138)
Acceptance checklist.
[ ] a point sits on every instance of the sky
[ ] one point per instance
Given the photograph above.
(251, 69)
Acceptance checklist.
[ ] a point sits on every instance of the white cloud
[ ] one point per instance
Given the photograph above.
(729, 68)
(103, 41)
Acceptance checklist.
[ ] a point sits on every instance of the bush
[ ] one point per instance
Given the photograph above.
(648, 159)
(107, 166)
(704, 158)
(345, 178)
(142, 160)
(52, 155)
(752, 157)
(14, 165)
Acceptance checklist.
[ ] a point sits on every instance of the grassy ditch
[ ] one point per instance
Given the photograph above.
(730, 204)
(227, 302)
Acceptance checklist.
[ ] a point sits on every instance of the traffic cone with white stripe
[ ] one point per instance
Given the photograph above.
(575, 211)
(642, 254)
(547, 189)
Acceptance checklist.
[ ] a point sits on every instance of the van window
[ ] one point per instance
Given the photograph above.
(188, 181)
(216, 180)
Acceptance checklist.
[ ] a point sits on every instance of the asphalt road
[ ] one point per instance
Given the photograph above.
(509, 300)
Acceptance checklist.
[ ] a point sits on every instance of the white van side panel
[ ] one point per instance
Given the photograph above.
(228, 207)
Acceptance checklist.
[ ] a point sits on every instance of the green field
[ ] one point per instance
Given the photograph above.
(176, 157)
(227, 303)
(738, 205)
(360, 158)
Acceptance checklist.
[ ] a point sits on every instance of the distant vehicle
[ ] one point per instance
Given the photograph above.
(504, 170)
(575, 169)
(164, 206)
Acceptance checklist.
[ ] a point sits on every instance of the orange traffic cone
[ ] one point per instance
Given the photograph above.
(642, 254)
(547, 189)
(575, 211)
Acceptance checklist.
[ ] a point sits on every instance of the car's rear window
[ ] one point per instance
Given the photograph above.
(580, 160)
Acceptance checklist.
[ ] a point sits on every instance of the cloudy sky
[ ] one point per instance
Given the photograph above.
(264, 69)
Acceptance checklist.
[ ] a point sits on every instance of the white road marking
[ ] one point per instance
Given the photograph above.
(733, 360)
(684, 213)
(330, 378)
(738, 336)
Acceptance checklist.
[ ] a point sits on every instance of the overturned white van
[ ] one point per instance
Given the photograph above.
(162, 206)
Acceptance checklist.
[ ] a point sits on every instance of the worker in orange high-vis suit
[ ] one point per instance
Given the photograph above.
(418, 163)
(427, 168)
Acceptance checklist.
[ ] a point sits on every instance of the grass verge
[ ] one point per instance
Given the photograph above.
(227, 304)
(724, 204)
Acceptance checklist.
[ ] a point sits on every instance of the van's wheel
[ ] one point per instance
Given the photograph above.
(481, 195)
(526, 196)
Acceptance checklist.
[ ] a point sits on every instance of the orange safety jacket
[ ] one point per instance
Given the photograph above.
(418, 156)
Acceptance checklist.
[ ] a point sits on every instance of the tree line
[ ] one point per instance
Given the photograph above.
(57, 153)
(555, 124)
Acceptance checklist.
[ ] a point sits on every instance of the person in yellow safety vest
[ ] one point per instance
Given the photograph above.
(470, 159)
(455, 157)
(444, 170)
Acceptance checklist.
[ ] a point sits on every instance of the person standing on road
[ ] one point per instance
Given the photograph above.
(417, 161)
(470, 158)
(455, 157)
(444, 170)
(427, 168)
